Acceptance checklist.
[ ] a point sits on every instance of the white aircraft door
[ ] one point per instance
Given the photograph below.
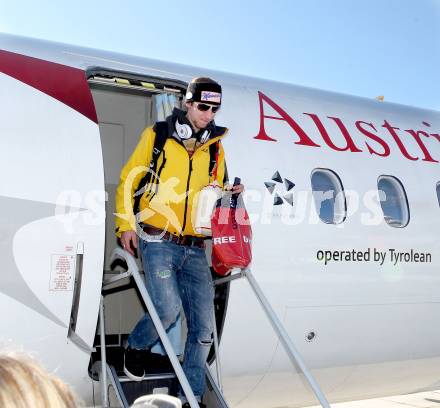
(52, 218)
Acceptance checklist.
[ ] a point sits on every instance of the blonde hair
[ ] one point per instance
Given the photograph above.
(25, 384)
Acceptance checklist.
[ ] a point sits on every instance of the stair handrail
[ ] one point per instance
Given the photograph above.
(133, 270)
(293, 354)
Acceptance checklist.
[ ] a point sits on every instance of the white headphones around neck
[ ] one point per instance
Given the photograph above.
(184, 131)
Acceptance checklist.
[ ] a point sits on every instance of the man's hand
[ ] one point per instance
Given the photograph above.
(129, 241)
(239, 188)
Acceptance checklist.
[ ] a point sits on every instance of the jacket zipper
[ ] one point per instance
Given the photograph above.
(187, 183)
(187, 187)
(187, 196)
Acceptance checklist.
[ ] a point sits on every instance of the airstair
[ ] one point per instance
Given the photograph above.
(127, 391)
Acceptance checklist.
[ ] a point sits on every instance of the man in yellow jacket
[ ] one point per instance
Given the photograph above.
(155, 203)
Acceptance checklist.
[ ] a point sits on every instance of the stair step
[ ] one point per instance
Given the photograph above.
(148, 377)
(135, 389)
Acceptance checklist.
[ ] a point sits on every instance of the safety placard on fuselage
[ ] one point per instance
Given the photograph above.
(62, 272)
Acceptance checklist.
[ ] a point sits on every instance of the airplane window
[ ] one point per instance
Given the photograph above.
(393, 201)
(328, 195)
(438, 192)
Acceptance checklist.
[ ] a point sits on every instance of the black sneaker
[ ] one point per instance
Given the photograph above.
(158, 363)
(134, 361)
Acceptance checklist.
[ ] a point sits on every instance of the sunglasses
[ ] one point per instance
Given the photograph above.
(203, 107)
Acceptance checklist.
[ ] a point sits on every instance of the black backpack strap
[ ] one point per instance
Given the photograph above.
(213, 155)
(226, 177)
(161, 131)
(213, 159)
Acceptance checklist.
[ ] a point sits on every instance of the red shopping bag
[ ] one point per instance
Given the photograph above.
(231, 235)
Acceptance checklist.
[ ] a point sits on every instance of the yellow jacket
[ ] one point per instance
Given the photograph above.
(170, 204)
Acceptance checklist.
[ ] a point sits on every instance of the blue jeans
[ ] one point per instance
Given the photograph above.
(178, 275)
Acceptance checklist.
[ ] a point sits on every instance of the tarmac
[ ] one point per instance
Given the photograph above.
(430, 399)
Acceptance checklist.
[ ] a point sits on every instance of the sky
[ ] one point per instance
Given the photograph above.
(359, 47)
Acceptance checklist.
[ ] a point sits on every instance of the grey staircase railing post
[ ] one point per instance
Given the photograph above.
(103, 376)
(133, 269)
(289, 347)
(116, 384)
(217, 353)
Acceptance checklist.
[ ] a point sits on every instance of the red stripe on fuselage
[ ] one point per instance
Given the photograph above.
(66, 84)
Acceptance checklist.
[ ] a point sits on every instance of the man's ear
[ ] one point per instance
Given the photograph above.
(188, 105)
